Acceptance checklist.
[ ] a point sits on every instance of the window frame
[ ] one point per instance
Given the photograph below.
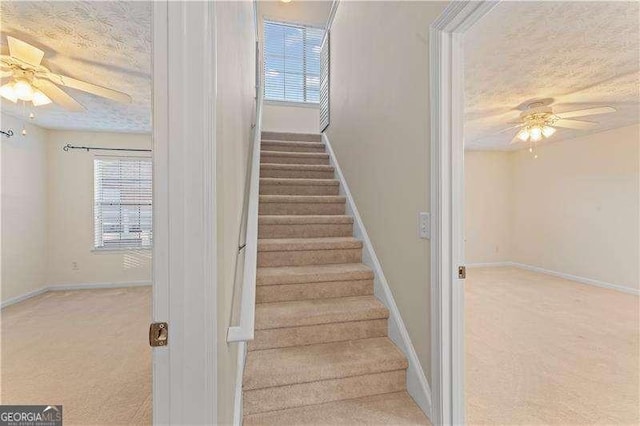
(104, 249)
(284, 102)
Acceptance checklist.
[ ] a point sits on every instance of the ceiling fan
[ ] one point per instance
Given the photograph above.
(537, 120)
(33, 82)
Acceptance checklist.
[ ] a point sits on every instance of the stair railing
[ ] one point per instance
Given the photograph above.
(244, 331)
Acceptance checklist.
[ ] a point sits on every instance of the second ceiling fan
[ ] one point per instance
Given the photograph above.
(538, 120)
(33, 82)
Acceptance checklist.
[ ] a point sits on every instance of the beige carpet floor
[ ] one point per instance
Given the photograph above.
(87, 350)
(544, 350)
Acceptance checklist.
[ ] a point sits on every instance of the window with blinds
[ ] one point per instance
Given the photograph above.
(292, 62)
(122, 203)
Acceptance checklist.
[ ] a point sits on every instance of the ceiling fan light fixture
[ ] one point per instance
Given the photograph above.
(523, 135)
(535, 133)
(548, 131)
(23, 90)
(7, 92)
(40, 98)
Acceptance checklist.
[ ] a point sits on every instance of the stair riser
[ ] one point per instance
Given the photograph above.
(318, 392)
(296, 174)
(267, 146)
(302, 208)
(321, 290)
(308, 257)
(305, 231)
(324, 333)
(301, 137)
(282, 159)
(271, 189)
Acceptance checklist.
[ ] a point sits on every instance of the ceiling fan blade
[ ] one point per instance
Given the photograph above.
(517, 126)
(515, 139)
(58, 95)
(585, 112)
(575, 124)
(94, 89)
(24, 51)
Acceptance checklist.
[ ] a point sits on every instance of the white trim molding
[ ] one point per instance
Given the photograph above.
(566, 276)
(417, 384)
(184, 211)
(23, 297)
(70, 287)
(576, 278)
(447, 180)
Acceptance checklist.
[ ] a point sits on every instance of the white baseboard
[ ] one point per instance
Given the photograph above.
(22, 297)
(66, 287)
(237, 397)
(94, 286)
(417, 384)
(576, 278)
(489, 264)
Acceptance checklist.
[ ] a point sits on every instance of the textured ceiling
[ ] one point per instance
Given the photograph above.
(105, 43)
(310, 12)
(582, 54)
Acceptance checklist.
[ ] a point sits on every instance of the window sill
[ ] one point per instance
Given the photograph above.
(292, 104)
(119, 250)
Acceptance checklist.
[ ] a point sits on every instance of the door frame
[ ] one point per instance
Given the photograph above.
(446, 66)
(184, 211)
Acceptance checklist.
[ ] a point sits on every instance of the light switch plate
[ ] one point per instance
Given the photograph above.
(424, 225)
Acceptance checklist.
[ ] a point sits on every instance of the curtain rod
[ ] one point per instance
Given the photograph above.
(68, 146)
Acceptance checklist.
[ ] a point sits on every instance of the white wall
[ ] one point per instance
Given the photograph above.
(573, 210)
(300, 12)
(380, 132)
(291, 118)
(488, 206)
(234, 116)
(279, 118)
(70, 213)
(23, 210)
(47, 212)
(576, 207)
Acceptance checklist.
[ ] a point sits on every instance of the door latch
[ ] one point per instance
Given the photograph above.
(462, 272)
(158, 334)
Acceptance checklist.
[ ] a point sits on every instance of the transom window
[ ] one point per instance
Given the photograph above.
(122, 203)
(292, 62)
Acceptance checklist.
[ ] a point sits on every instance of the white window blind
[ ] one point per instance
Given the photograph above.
(122, 203)
(325, 65)
(292, 62)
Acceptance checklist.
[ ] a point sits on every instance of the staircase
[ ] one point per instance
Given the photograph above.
(321, 354)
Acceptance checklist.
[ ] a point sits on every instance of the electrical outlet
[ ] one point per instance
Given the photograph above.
(424, 225)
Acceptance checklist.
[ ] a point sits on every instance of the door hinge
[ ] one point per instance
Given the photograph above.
(462, 272)
(158, 334)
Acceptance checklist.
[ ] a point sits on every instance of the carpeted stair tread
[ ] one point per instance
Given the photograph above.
(292, 186)
(285, 136)
(292, 146)
(303, 220)
(316, 334)
(312, 274)
(318, 311)
(314, 171)
(304, 364)
(285, 154)
(300, 244)
(303, 167)
(301, 182)
(314, 199)
(396, 408)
